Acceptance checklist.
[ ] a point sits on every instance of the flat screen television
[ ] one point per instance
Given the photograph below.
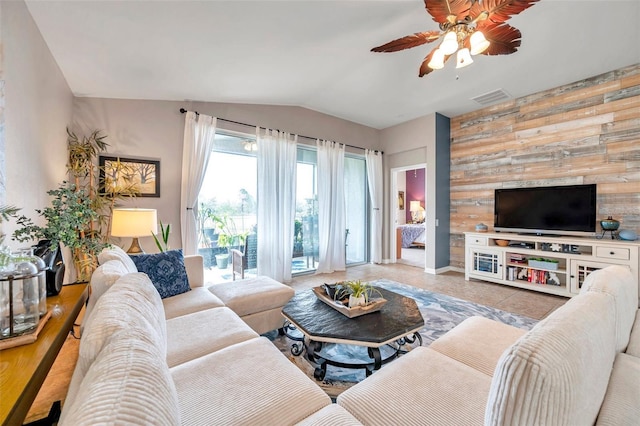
(555, 210)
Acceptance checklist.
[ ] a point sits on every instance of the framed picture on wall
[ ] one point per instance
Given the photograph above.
(120, 175)
(400, 200)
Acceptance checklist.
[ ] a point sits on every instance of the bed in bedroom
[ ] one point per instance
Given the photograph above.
(409, 235)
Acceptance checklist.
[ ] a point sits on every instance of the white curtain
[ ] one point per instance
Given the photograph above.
(277, 155)
(199, 133)
(331, 209)
(374, 178)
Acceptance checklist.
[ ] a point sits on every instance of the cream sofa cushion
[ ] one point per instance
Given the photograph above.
(249, 383)
(331, 415)
(129, 383)
(421, 387)
(198, 299)
(621, 285)
(102, 279)
(622, 404)
(633, 348)
(557, 374)
(253, 295)
(116, 253)
(131, 302)
(200, 333)
(478, 342)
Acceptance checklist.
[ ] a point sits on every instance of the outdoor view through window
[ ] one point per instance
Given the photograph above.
(227, 208)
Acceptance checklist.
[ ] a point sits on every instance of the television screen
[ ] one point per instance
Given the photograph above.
(562, 210)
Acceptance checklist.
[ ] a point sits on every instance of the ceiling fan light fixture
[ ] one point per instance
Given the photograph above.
(463, 58)
(478, 43)
(437, 60)
(450, 43)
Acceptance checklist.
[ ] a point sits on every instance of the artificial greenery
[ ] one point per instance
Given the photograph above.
(67, 221)
(164, 234)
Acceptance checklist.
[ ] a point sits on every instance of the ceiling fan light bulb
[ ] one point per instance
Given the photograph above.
(463, 58)
(450, 43)
(478, 43)
(437, 60)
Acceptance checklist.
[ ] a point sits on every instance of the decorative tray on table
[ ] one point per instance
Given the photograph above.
(374, 305)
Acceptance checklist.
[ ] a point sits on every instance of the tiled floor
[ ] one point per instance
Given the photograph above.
(524, 302)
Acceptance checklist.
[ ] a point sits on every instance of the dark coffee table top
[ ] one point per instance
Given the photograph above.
(399, 317)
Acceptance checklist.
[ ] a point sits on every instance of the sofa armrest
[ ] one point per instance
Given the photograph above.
(195, 270)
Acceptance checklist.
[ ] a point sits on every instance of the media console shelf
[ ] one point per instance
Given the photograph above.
(549, 264)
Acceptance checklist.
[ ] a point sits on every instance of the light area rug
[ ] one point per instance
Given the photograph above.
(440, 312)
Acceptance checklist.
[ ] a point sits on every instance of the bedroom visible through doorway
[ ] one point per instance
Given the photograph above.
(409, 218)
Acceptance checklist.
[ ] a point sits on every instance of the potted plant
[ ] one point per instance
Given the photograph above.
(352, 293)
(228, 238)
(67, 221)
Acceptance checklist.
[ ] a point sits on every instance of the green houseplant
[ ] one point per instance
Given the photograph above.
(228, 238)
(79, 211)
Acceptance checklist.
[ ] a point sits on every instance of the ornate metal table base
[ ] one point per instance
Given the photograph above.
(376, 357)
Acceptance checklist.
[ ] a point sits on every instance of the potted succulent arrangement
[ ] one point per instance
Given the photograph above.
(352, 293)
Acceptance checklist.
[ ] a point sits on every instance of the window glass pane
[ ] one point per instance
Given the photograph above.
(305, 244)
(355, 188)
(227, 206)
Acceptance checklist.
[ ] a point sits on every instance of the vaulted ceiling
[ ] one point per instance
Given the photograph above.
(316, 54)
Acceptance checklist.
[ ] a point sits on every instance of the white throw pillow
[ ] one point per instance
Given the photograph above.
(116, 253)
(102, 279)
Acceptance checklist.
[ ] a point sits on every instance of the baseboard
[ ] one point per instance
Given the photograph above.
(443, 270)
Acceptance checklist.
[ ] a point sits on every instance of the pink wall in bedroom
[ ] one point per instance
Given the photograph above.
(414, 190)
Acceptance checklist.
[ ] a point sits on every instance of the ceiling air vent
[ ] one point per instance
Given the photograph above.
(491, 97)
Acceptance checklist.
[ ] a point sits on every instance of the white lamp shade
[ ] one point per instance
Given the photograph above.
(478, 43)
(437, 60)
(450, 43)
(463, 58)
(134, 222)
(414, 206)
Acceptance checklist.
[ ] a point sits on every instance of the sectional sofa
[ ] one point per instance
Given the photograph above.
(190, 359)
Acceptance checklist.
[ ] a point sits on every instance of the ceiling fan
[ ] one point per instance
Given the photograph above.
(469, 27)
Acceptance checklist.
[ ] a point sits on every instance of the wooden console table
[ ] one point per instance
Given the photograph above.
(24, 368)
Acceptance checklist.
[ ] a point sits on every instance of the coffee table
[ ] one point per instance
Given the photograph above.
(382, 333)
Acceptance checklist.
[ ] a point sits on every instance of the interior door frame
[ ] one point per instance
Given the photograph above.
(393, 198)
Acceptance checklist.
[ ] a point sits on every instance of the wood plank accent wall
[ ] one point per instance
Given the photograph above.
(583, 132)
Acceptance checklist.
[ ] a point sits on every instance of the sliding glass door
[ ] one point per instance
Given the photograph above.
(227, 216)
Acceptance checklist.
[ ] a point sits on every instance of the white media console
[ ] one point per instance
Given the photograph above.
(556, 265)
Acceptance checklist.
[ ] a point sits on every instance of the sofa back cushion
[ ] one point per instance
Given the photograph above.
(116, 253)
(617, 281)
(129, 383)
(102, 279)
(131, 303)
(557, 374)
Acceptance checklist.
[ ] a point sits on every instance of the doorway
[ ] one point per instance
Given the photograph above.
(408, 231)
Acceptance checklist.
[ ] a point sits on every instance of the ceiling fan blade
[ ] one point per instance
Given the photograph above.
(442, 9)
(408, 42)
(504, 39)
(500, 10)
(424, 68)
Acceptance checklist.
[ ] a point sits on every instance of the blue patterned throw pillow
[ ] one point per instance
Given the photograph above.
(166, 271)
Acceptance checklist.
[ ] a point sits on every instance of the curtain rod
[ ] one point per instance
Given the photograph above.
(182, 110)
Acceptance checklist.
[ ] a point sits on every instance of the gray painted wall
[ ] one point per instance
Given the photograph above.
(37, 111)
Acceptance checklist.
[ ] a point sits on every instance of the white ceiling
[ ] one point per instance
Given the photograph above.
(316, 54)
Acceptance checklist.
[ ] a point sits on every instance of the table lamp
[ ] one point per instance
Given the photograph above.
(134, 223)
(415, 208)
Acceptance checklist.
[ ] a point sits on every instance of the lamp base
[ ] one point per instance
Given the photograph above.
(135, 247)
